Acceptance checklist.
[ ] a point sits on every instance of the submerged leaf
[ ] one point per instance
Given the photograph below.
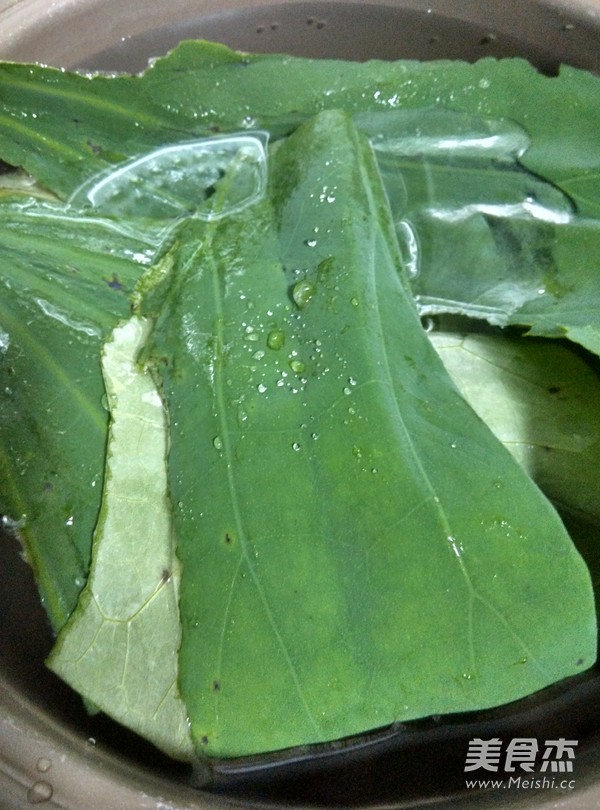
(65, 281)
(356, 546)
(484, 237)
(119, 647)
(69, 130)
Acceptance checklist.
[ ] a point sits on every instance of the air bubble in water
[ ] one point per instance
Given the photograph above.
(40, 792)
(43, 764)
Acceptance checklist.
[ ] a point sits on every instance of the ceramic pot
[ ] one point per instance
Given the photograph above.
(51, 752)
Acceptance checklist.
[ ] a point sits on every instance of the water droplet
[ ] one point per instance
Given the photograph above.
(314, 436)
(258, 355)
(261, 388)
(347, 390)
(467, 676)
(69, 521)
(297, 366)
(351, 381)
(275, 339)
(302, 292)
(354, 301)
(453, 445)
(310, 243)
(39, 793)
(43, 764)
(295, 446)
(356, 451)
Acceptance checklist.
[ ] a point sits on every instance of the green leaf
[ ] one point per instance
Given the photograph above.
(63, 128)
(119, 647)
(356, 546)
(483, 237)
(70, 130)
(65, 282)
(541, 400)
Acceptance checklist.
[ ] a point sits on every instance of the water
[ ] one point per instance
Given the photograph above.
(318, 29)
(423, 761)
(209, 178)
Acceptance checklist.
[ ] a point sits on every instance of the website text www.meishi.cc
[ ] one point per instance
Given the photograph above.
(523, 763)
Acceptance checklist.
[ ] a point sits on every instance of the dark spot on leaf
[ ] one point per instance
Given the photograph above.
(204, 740)
(76, 120)
(228, 539)
(215, 128)
(48, 486)
(114, 282)
(554, 389)
(165, 576)
(488, 39)
(580, 662)
(94, 148)
(216, 686)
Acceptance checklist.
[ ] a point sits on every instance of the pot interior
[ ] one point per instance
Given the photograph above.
(418, 764)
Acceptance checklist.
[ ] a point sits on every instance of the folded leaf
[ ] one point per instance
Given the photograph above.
(356, 546)
(119, 647)
(65, 282)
